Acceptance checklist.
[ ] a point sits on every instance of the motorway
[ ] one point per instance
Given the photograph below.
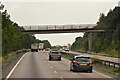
(37, 65)
(105, 58)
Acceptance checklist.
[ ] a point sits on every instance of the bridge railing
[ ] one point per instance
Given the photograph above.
(56, 27)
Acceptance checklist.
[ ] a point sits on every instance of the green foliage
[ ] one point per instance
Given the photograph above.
(12, 38)
(111, 24)
(80, 44)
(105, 41)
(57, 47)
(46, 44)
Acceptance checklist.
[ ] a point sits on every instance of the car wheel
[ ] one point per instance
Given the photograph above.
(73, 69)
(49, 58)
(90, 71)
(70, 69)
(60, 59)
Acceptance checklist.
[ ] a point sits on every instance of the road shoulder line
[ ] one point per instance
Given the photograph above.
(10, 73)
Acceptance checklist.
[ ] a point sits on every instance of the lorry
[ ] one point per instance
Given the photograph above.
(41, 46)
(34, 47)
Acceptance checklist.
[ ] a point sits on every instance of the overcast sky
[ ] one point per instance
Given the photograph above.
(37, 13)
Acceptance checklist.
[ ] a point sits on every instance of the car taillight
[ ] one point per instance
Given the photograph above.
(90, 62)
(75, 62)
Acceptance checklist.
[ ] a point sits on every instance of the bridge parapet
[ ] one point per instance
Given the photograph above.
(46, 29)
(55, 27)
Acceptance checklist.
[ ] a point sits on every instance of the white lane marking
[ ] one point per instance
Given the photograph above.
(99, 73)
(8, 76)
(51, 67)
(62, 78)
(74, 73)
(55, 71)
(102, 74)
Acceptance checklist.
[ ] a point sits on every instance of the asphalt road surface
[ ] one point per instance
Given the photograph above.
(37, 65)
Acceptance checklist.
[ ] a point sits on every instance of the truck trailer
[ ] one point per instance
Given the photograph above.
(41, 46)
(34, 47)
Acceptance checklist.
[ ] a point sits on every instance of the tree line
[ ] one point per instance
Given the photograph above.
(12, 37)
(107, 41)
(46, 43)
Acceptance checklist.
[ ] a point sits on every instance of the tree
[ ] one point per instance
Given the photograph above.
(105, 41)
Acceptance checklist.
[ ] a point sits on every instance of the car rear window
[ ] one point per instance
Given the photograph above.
(83, 59)
(55, 53)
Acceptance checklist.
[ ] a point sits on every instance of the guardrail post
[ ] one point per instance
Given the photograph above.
(79, 26)
(105, 63)
(71, 26)
(108, 63)
(63, 26)
(114, 65)
(46, 27)
(38, 27)
(30, 27)
(55, 27)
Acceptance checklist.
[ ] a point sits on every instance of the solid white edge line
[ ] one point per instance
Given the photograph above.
(8, 76)
(55, 71)
(102, 74)
(61, 78)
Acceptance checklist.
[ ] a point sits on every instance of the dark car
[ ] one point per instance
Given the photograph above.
(54, 55)
(81, 63)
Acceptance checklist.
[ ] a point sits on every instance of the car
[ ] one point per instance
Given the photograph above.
(53, 55)
(81, 63)
(66, 49)
(47, 49)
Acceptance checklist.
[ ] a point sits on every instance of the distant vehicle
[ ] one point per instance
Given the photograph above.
(54, 55)
(41, 46)
(61, 49)
(81, 63)
(47, 49)
(34, 47)
(66, 49)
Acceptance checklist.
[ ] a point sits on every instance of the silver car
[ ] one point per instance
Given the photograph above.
(54, 55)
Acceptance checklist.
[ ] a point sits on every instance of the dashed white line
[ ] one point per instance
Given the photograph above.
(75, 73)
(62, 78)
(55, 71)
(8, 76)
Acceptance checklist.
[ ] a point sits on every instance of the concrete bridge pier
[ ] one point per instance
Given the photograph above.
(89, 41)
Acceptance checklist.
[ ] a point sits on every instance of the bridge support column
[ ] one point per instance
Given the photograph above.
(89, 41)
